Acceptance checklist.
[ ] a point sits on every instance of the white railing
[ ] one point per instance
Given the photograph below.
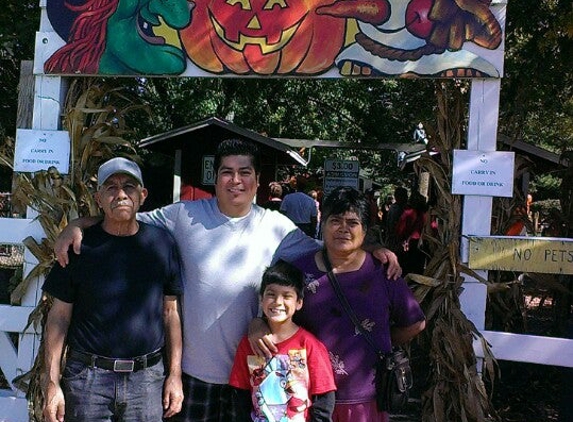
(17, 359)
(509, 346)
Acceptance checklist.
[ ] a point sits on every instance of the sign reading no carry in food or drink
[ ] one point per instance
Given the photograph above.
(483, 173)
(41, 149)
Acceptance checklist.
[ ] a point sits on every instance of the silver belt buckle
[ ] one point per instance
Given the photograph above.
(123, 365)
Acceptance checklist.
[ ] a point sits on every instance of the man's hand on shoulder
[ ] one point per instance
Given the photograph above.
(72, 235)
(386, 256)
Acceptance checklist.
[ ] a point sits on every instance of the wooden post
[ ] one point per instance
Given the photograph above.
(25, 95)
(476, 212)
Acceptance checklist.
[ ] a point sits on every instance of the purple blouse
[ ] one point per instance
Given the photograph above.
(378, 303)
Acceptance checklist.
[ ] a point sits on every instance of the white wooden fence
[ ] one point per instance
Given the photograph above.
(17, 359)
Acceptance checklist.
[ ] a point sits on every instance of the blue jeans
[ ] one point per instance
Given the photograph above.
(94, 394)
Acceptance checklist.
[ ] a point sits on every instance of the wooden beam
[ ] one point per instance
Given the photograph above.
(528, 348)
(546, 255)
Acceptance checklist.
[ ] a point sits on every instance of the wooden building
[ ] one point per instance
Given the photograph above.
(193, 149)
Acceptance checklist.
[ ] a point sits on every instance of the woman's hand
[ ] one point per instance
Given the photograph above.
(260, 338)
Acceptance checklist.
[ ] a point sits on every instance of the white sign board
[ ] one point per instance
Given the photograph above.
(41, 149)
(208, 170)
(483, 173)
(340, 173)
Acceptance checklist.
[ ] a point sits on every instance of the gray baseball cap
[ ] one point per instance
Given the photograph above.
(118, 165)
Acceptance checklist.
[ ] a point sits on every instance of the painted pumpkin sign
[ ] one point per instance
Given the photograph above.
(326, 38)
(263, 36)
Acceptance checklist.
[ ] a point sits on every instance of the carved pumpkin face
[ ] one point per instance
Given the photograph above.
(262, 36)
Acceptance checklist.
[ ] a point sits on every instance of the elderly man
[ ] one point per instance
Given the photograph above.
(226, 242)
(117, 306)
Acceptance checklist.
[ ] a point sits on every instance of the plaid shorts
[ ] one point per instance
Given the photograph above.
(204, 402)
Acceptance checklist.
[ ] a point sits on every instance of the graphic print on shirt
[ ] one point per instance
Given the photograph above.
(280, 387)
(367, 325)
(337, 364)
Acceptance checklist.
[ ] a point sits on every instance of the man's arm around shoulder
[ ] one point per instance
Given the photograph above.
(72, 235)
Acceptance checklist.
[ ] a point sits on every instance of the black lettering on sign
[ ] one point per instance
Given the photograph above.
(522, 254)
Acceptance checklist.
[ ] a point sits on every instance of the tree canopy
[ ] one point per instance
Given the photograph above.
(536, 98)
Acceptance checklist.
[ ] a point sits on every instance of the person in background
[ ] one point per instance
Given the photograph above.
(371, 195)
(117, 307)
(314, 195)
(394, 213)
(226, 242)
(301, 208)
(518, 220)
(299, 374)
(387, 308)
(384, 208)
(409, 233)
(275, 197)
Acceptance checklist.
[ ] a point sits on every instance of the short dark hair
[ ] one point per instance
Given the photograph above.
(284, 274)
(418, 201)
(276, 190)
(346, 199)
(238, 146)
(401, 194)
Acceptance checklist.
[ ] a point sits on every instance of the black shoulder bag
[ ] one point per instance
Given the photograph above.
(393, 379)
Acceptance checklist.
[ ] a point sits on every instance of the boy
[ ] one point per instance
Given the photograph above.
(297, 383)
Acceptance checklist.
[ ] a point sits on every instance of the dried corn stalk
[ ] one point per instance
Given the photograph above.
(456, 391)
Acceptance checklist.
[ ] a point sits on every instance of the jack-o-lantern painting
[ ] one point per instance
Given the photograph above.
(262, 36)
(320, 38)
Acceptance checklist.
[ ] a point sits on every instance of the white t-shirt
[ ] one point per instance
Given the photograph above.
(223, 261)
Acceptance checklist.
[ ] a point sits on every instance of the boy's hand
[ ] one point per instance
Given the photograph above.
(260, 338)
(72, 235)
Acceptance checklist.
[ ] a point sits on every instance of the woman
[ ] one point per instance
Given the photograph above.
(386, 308)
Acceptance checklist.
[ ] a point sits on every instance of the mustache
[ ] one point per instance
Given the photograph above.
(121, 204)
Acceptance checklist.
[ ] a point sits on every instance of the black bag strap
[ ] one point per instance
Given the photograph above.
(344, 302)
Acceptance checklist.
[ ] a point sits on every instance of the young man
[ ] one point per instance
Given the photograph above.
(301, 208)
(116, 304)
(226, 242)
(297, 383)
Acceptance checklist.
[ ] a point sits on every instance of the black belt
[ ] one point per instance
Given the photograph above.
(116, 364)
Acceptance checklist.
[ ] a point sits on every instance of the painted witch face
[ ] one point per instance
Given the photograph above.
(119, 36)
(142, 37)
